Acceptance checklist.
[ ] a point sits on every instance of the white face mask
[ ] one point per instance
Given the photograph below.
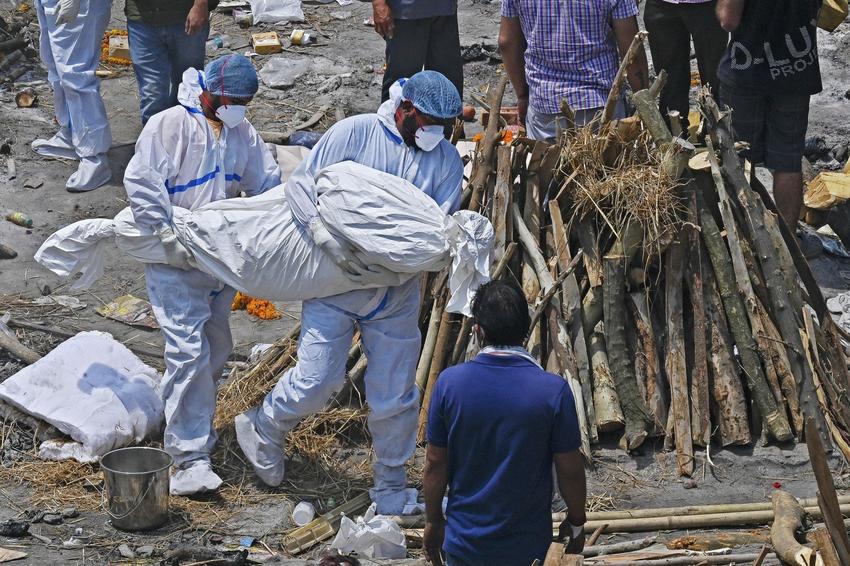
(231, 114)
(429, 137)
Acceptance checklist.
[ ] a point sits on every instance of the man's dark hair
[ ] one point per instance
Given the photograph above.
(501, 311)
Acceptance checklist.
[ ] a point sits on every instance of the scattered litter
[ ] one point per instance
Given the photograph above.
(283, 73)
(20, 219)
(257, 351)
(130, 310)
(26, 98)
(145, 551)
(126, 552)
(831, 244)
(70, 513)
(330, 85)
(305, 138)
(370, 21)
(226, 6)
(66, 301)
(218, 42)
(266, 43)
(246, 541)
(341, 15)
(345, 2)
(52, 519)
(243, 18)
(372, 536)
(115, 48)
(7, 253)
(33, 183)
(303, 513)
(92, 388)
(301, 37)
(275, 11)
(13, 529)
(839, 304)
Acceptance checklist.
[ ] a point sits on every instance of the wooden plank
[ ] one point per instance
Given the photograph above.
(827, 496)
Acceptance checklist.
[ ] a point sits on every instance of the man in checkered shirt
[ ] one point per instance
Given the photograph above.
(567, 49)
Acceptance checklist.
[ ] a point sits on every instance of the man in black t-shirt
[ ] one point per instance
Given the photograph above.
(767, 76)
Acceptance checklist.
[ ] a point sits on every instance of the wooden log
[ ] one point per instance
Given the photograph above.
(777, 266)
(536, 259)
(675, 365)
(606, 403)
(742, 333)
(788, 518)
(727, 389)
(594, 537)
(635, 48)
(620, 358)
(700, 414)
(436, 366)
(592, 261)
(572, 312)
(648, 352)
(498, 213)
(827, 496)
(824, 545)
(483, 166)
(282, 138)
(619, 547)
(430, 343)
(647, 108)
(531, 214)
(677, 522)
(18, 350)
(700, 560)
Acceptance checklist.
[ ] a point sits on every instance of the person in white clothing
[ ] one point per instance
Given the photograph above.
(201, 151)
(405, 138)
(69, 45)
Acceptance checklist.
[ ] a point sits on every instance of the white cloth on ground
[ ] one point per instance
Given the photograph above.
(194, 477)
(92, 388)
(371, 536)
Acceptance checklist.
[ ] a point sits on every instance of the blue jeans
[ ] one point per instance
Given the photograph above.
(160, 56)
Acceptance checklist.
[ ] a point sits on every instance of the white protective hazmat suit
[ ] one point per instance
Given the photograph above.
(180, 163)
(71, 52)
(388, 317)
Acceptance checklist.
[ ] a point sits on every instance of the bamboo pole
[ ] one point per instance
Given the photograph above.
(675, 365)
(18, 350)
(437, 364)
(430, 343)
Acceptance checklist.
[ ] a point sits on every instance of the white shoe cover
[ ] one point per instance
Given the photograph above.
(58, 146)
(91, 174)
(265, 455)
(194, 477)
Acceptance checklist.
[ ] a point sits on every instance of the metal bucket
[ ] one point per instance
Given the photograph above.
(136, 487)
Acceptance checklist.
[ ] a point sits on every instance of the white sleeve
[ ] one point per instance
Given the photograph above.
(448, 192)
(337, 145)
(261, 171)
(145, 177)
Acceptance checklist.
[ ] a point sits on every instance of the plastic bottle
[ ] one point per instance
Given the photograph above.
(20, 219)
(303, 513)
(217, 42)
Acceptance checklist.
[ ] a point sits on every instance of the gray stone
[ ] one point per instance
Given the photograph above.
(70, 512)
(52, 519)
(126, 552)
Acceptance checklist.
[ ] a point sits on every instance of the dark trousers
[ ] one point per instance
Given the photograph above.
(425, 43)
(671, 27)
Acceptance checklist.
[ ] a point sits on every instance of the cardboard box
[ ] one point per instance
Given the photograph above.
(119, 46)
(266, 43)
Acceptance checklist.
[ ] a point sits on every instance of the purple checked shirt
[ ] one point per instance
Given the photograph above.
(571, 51)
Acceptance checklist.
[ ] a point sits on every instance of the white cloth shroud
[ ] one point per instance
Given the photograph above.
(92, 388)
(254, 245)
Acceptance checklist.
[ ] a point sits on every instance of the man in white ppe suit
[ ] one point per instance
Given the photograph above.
(405, 138)
(189, 155)
(69, 45)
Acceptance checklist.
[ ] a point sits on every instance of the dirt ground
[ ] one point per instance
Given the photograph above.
(349, 59)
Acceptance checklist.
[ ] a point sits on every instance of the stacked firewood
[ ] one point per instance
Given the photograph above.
(664, 287)
(686, 318)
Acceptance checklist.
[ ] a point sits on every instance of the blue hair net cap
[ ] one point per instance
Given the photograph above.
(433, 94)
(233, 76)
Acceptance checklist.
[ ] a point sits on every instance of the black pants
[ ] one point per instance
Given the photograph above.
(426, 43)
(670, 28)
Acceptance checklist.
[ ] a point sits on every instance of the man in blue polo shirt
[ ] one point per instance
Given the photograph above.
(420, 34)
(495, 427)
